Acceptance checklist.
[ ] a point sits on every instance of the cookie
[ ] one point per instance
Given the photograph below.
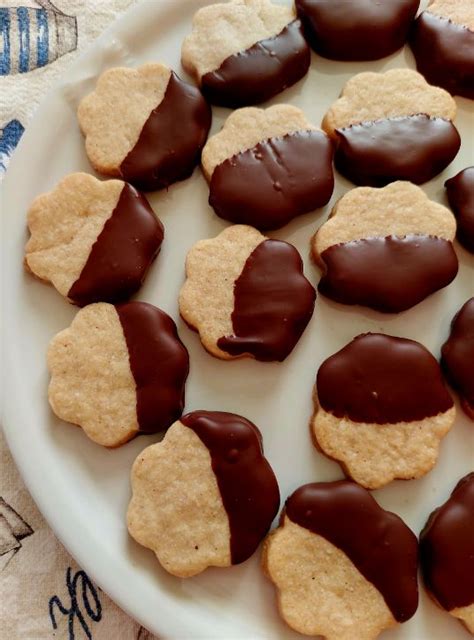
(267, 166)
(118, 371)
(442, 41)
(381, 409)
(447, 553)
(367, 31)
(205, 495)
(144, 125)
(244, 52)
(392, 126)
(344, 567)
(246, 295)
(94, 241)
(387, 249)
(460, 190)
(458, 356)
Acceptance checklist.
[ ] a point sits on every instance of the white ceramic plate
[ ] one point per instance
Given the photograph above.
(83, 489)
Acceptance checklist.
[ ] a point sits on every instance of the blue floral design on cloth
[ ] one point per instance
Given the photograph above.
(9, 138)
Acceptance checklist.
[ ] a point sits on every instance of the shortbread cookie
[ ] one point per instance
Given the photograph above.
(381, 409)
(359, 30)
(204, 496)
(144, 125)
(244, 52)
(118, 371)
(344, 568)
(442, 40)
(447, 553)
(458, 356)
(94, 241)
(246, 295)
(267, 166)
(460, 190)
(392, 126)
(387, 248)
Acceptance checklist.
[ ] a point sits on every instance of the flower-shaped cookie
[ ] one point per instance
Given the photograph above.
(460, 191)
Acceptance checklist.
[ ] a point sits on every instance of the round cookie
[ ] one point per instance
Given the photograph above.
(387, 249)
(460, 190)
(344, 567)
(392, 126)
(94, 241)
(244, 52)
(367, 30)
(118, 371)
(458, 356)
(267, 166)
(144, 125)
(442, 40)
(447, 553)
(381, 409)
(205, 495)
(246, 295)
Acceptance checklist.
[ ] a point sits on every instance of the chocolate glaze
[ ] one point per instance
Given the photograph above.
(367, 30)
(414, 148)
(460, 191)
(278, 179)
(380, 379)
(170, 143)
(121, 255)
(378, 543)
(273, 303)
(444, 53)
(388, 274)
(458, 356)
(159, 362)
(247, 484)
(447, 548)
(260, 72)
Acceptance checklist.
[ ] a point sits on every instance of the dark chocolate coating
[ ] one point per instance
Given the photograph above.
(260, 72)
(377, 542)
(275, 181)
(121, 255)
(273, 303)
(159, 363)
(447, 548)
(414, 148)
(388, 274)
(170, 143)
(458, 356)
(379, 379)
(444, 53)
(357, 30)
(246, 481)
(460, 190)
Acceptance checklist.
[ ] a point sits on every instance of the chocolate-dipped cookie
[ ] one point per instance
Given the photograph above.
(447, 553)
(244, 52)
(94, 241)
(387, 249)
(381, 409)
(267, 166)
(118, 371)
(392, 126)
(344, 567)
(246, 295)
(205, 495)
(460, 190)
(144, 125)
(361, 30)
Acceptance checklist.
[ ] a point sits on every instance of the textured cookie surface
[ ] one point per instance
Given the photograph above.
(381, 409)
(144, 125)
(460, 190)
(117, 371)
(205, 495)
(344, 568)
(245, 51)
(267, 166)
